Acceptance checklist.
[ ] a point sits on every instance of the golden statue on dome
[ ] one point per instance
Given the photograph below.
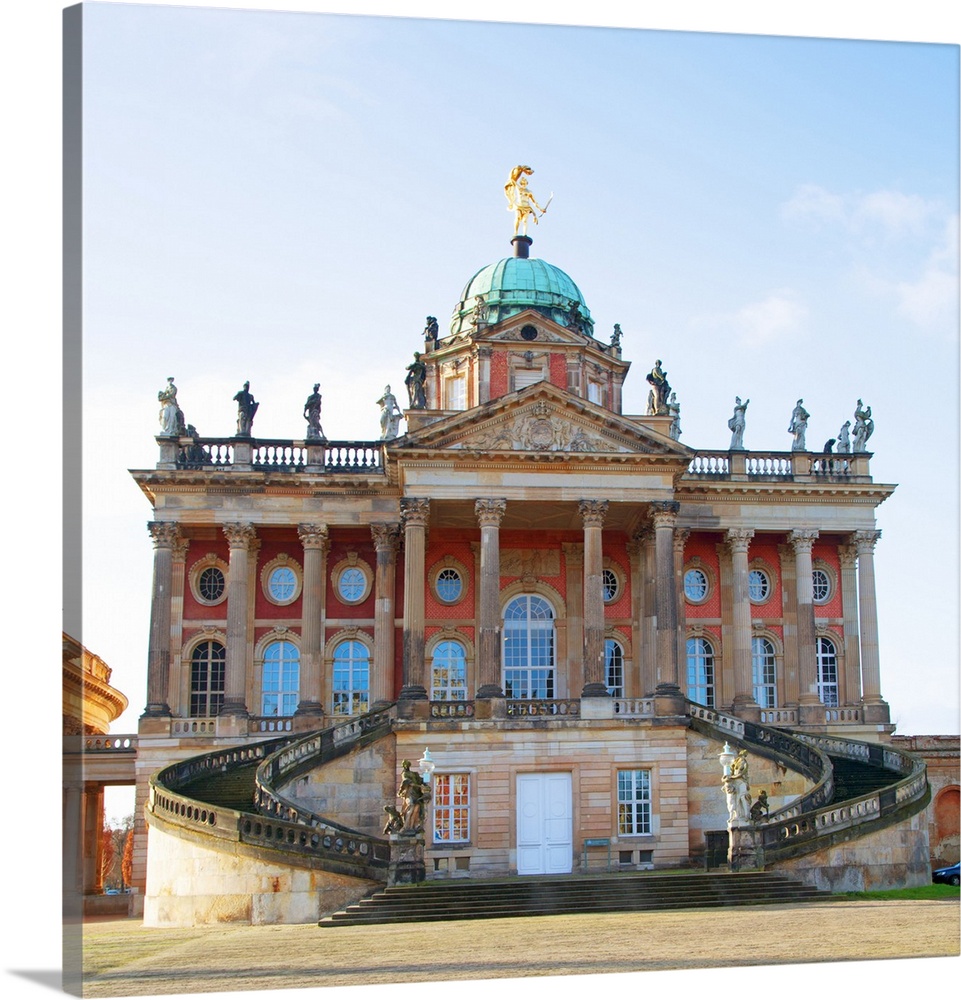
(520, 199)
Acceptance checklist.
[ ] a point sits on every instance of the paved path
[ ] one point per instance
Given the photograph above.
(123, 958)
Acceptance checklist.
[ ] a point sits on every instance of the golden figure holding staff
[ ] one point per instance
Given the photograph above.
(520, 200)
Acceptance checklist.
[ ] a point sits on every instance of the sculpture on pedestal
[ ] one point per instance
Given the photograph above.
(431, 333)
(760, 807)
(416, 382)
(863, 426)
(172, 423)
(414, 794)
(390, 415)
(660, 390)
(616, 337)
(737, 789)
(247, 407)
(312, 415)
(798, 426)
(737, 424)
(844, 437)
(674, 409)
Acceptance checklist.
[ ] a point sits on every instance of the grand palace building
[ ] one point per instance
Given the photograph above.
(559, 611)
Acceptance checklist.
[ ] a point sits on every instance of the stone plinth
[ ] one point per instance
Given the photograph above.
(406, 859)
(744, 851)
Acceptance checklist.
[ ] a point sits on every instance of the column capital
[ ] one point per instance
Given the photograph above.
(386, 537)
(314, 536)
(848, 556)
(593, 512)
(681, 535)
(664, 513)
(864, 541)
(165, 534)
(180, 547)
(803, 539)
(490, 513)
(739, 539)
(414, 511)
(240, 535)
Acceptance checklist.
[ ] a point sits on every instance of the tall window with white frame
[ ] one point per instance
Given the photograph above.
(280, 687)
(451, 807)
(529, 648)
(764, 669)
(448, 672)
(633, 802)
(351, 678)
(207, 675)
(827, 656)
(614, 667)
(700, 671)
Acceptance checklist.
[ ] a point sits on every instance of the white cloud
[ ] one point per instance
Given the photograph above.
(812, 203)
(892, 212)
(932, 299)
(773, 317)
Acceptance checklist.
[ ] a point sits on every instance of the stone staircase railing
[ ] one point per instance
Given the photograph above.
(281, 826)
(814, 820)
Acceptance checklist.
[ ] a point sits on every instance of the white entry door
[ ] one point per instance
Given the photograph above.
(545, 823)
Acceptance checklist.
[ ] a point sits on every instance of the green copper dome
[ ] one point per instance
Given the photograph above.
(514, 284)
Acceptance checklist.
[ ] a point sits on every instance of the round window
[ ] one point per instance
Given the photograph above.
(758, 585)
(695, 585)
(282, 584)
(529, 332)
(211, 584)
(610, 585)
(352, 584)
(449, 585)
(822, 585)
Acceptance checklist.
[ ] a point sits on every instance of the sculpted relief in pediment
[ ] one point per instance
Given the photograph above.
(539, 429)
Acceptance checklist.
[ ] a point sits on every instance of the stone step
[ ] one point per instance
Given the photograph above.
(575, 894)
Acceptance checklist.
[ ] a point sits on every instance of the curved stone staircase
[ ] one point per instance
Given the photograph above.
(234, 796)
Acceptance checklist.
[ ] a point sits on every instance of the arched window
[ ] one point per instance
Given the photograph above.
(529, 648)
(351, 678)
(700, 671)
(764, 670)
(280, 688)
(827, 672)
(207, 672)
(614, 668)
(448, 672)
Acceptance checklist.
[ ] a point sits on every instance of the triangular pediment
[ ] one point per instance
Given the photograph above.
(548, 332)
(542, 418)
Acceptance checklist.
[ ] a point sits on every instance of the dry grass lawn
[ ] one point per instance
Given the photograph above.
(123, 958)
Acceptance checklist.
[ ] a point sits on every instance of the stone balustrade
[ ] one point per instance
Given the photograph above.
(634, 708)
(109, 744)
(777, 466)
(271, 455)
(570, 707)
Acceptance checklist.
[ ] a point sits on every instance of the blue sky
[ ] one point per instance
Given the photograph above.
(284, 198)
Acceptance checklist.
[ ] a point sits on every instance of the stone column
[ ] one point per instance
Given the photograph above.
(592, 514)
(668, 691)
(875, 707)
(310, 709)
(738, 542)
(240, 537)
(165, 535)
(489, 515)
(386, 544)
(177, 684)
(849, 605)
(810, 707)
(415, 514)
(681, 536)
(92, 838)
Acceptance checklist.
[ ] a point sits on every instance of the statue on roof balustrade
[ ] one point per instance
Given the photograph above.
(247, 407)
(172, 423)
(798, 426)
(416, 382)
(390, 414)
(312, 415)
(674, 408)
(844, 437)
(737, 424)
(863, 426)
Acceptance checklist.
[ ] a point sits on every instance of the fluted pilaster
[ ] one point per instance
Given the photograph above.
(489, 515)
(415, 515)
(592, 514)
(241, 538)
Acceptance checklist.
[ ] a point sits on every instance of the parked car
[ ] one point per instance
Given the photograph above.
(949, 875)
